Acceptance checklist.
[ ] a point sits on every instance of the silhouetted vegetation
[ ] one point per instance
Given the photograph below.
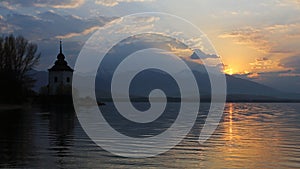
(17, 58)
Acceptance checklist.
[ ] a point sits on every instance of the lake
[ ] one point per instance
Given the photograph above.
(250, 135)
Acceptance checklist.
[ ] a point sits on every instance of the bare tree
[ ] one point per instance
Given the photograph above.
(17, 58)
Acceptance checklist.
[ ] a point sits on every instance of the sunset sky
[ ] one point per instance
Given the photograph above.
(257, 40)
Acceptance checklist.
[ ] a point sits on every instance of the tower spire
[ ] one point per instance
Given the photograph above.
(60, 46)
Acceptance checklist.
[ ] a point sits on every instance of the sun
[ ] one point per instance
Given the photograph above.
(228, 71)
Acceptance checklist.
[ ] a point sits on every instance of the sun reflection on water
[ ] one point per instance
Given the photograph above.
(230, 120)
(250, 136)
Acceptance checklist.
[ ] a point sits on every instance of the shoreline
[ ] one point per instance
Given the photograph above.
(8, 107)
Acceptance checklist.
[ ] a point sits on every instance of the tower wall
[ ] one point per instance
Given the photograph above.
(57, 79)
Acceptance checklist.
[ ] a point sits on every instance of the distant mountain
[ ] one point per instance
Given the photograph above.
(237, 89)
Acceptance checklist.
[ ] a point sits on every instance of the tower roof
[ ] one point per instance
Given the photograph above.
(61, 64)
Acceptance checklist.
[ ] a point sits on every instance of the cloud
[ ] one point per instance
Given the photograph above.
(263, 76)
(289, 31)
(261, 59)
(278, 28)
(195, 43)
(43, 3)
(45, 28)
(147, 19)
(50, 25)
(112, 3)
(181, 51)
(196, 56)
(249, 76)
(131, 25)
(282, 74)
(71, 4)
(264, 64)
(293, 63)
(6, 28)
(274, 39)
(251, 37)
(83, 33)
(289, 3)
(7, 5)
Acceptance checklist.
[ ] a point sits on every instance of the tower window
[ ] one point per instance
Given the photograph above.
(68, 80)
(55, 79)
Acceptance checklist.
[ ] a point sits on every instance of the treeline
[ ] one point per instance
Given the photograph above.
(17, 57)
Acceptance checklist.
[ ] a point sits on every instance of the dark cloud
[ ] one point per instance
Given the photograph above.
(284, 80)
(293, 63)
(247, 76)
(287, 80)
(252, 37)
(280, 51)
(45, 3)
(44, 29)
(112, 3)
(262, 59)
(48, 25)
(275, 73)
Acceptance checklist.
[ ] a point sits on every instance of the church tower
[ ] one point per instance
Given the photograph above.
(60, 76)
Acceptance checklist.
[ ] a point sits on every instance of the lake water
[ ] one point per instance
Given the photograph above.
(250, 135)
